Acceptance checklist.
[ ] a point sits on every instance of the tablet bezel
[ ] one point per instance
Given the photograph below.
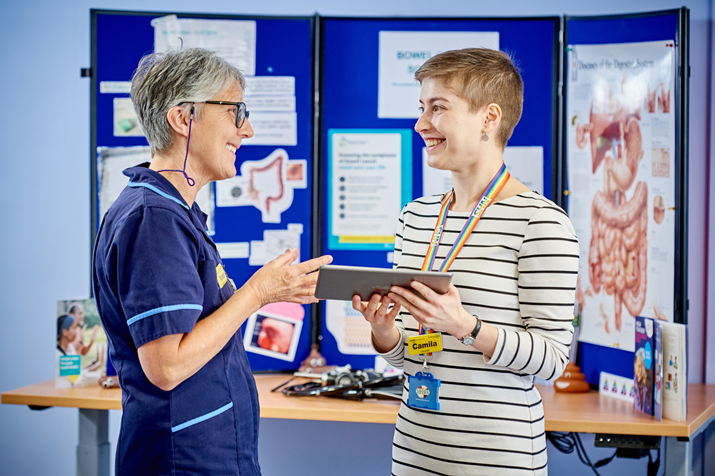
(340, 283)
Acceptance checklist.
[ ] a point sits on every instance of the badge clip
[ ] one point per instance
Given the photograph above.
(424, 390)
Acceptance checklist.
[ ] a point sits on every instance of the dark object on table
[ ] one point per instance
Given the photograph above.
(342, 382)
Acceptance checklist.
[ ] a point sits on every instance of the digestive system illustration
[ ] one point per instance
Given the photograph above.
(618, 250)
(265, 184)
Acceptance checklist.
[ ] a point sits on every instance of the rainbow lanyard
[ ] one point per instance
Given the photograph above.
(490, 193)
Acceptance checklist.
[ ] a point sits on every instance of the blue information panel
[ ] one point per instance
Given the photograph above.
(247, 234)
(627, 36)
(356, 97)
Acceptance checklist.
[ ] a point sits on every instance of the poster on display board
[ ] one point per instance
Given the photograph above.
(403, 52)
(234, 40)
(621, 173)
(370, 177)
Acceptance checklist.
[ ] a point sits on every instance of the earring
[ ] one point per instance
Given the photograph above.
(485, 137)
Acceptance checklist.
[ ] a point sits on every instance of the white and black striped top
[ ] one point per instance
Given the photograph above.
(517, 271)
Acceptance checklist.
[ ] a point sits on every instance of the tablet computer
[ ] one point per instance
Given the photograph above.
(342, 282)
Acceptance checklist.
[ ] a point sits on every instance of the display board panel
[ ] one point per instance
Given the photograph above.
(277, 56)
(367, 85)
(625, 177)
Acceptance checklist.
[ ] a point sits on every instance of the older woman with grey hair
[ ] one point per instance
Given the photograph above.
(171, 313)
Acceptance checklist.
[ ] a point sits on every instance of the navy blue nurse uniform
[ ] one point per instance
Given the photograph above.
(156, 273)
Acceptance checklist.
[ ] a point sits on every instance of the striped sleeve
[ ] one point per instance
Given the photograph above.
(548, 268)
(396, 356)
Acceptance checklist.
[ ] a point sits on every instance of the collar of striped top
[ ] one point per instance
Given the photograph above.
(490, 193)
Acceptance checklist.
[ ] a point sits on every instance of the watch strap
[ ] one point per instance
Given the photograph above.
(473, 335)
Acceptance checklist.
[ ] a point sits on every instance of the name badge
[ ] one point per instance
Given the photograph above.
(425, 344)
(221, 275)
(424, 391)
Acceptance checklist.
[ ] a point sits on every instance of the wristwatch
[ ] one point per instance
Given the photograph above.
(469, 338)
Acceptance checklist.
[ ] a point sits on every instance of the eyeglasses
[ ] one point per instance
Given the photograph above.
(241, 111)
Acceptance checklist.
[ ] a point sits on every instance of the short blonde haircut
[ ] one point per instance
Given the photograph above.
(480, 76)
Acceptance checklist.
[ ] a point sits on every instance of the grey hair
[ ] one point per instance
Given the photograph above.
(167, 79)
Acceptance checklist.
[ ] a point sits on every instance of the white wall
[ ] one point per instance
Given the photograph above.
(44, 168)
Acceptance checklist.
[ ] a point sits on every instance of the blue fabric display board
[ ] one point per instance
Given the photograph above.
(624, 43)
(341, 186)
(280, 54)
(365, 119)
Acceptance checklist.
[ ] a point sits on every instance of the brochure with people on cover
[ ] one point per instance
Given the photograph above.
(81, 345)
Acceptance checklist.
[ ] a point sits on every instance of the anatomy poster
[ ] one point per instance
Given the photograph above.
(621, 163)
(266, 184)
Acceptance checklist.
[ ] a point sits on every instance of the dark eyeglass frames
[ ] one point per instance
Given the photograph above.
(241, 111)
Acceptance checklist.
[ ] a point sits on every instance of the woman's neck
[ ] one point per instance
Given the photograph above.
(469, 185)
(174, 160)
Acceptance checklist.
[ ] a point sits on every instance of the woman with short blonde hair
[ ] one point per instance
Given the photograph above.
(507, 317)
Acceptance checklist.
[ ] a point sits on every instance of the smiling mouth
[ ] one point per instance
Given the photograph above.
(231, 148)
(433, 142)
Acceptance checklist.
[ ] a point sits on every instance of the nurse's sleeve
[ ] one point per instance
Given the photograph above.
(396, 356)
(159, 286)
(548, 268)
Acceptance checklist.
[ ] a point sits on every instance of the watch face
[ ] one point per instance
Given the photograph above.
(467, 340)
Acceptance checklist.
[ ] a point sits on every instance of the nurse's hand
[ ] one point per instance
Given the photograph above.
(382, 320)
(441, 312)
(279, 281)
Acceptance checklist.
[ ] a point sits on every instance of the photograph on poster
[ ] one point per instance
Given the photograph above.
(126, 123)
(266, 184)
(621, 138)
(370, 177)
(274, 330)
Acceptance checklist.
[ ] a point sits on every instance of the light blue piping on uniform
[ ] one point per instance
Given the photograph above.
(214, 413)
(157, 191)
(175, 307)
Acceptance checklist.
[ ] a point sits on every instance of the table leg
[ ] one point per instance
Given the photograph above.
(93, 447)
(678, 456)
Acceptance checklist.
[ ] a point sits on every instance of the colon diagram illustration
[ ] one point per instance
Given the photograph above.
(266, 184)
(618, 250)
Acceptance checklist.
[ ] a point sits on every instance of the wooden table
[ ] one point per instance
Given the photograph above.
(580, 413)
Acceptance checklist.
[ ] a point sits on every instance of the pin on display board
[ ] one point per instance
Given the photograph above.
(267, 207)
